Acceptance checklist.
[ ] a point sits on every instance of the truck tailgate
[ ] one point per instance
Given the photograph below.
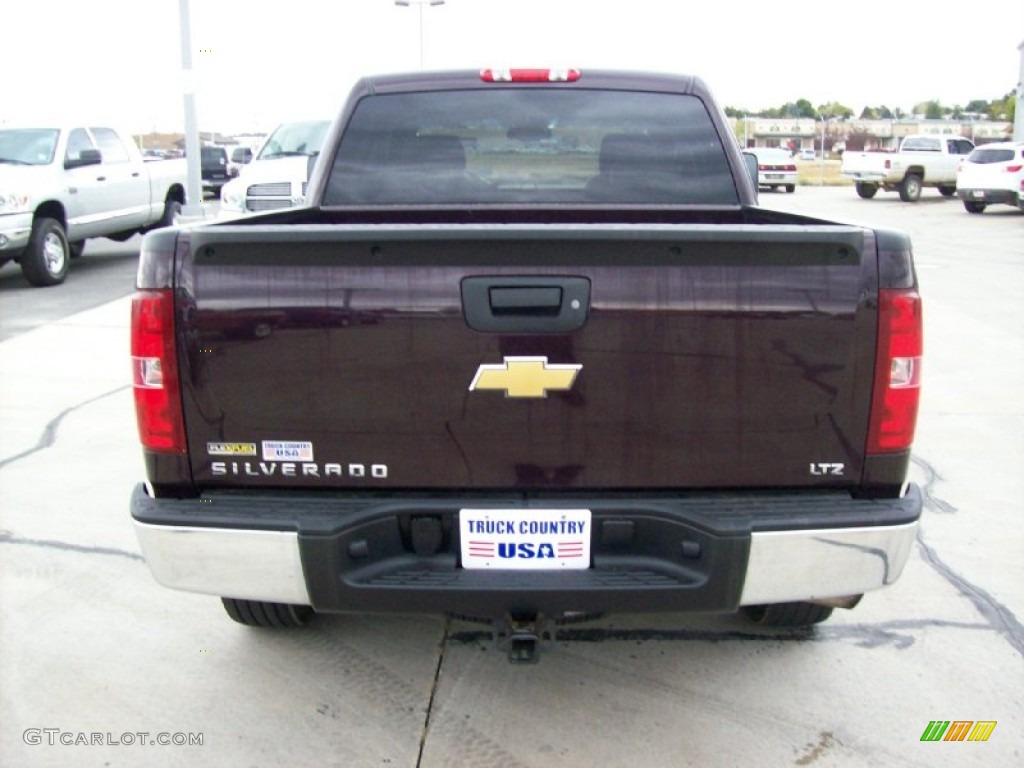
(529, 357)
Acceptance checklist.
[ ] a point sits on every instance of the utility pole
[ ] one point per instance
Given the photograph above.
(193, 193)
(1018, 116)
(420, 3)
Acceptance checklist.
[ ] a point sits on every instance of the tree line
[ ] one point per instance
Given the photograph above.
(999, 109)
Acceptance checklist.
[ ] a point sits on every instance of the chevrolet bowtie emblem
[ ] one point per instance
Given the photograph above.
(525, 377)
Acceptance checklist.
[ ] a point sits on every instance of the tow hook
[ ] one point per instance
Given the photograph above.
(523, 636)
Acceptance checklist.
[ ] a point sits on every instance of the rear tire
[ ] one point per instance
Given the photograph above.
(866, 191)
(47, 255)
(947, 190)
(791, 187)
(255, 613)
(972, 207)
(910, 188)
(172, 213)
(787, 614)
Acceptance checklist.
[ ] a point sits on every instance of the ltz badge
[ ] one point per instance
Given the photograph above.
(525, 377)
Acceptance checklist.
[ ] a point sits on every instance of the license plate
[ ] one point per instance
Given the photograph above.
(525, 539)
(773, 175)
(978, 193)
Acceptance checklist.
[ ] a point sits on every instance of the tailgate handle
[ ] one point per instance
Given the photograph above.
(525, 304)
(542, 300)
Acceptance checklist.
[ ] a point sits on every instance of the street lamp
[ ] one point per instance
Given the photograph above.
(824, 121)
(193, 162)
(420, 3)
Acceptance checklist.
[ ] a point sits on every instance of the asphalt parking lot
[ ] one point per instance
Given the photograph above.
(101, 666)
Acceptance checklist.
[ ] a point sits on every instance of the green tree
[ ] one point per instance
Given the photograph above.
(1004, 108)
(834, 109)
(804, 108)
(932, 110)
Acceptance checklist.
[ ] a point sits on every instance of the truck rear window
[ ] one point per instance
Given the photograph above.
(530, 145)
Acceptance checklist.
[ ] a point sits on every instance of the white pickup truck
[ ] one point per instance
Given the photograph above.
(922, 161)
(60, 185)
(276, 177)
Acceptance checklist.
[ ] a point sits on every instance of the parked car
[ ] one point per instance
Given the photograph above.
(276, 177)
(992, 174)
(775, 168)
(923, 160)
(63, 184)
(239, 157)
(807, 154)
(214, 170)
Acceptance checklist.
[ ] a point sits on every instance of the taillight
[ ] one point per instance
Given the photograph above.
(530, 75)
(155, 372)
(897, 386)
(1014, 168)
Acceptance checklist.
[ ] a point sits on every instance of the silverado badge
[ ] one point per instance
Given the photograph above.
(525, 377)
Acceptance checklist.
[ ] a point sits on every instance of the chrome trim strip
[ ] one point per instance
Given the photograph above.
(810, 565)
(249, 565)
(120, 213)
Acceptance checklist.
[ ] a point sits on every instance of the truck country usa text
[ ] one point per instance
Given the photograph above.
(527, 527)
(293, 469)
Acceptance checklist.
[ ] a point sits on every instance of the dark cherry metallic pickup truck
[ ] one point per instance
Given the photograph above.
(531, 352)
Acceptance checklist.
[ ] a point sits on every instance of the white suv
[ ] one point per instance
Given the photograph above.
(992, 173)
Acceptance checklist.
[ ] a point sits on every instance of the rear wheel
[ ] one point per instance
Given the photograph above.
(46, 257)
(787, 614)
(947, 190)
(973, 207)
(866, 191)
(172, 213)
(791, 187)
(910, 188)
(255, 613)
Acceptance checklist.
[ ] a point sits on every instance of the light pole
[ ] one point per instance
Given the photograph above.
(824, 122)
(193, 162)
(420, 3)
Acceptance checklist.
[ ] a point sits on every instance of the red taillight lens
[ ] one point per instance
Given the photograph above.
(529, 75)
(155, 372)
(1014, 168)
(897, 387)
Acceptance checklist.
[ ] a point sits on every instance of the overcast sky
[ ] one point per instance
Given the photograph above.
(258, 62)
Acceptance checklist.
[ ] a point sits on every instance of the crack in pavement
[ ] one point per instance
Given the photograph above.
(931, 477)
(445, 635)
(999, 616)
(49, 436)
(6, 537)
(865, 635)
